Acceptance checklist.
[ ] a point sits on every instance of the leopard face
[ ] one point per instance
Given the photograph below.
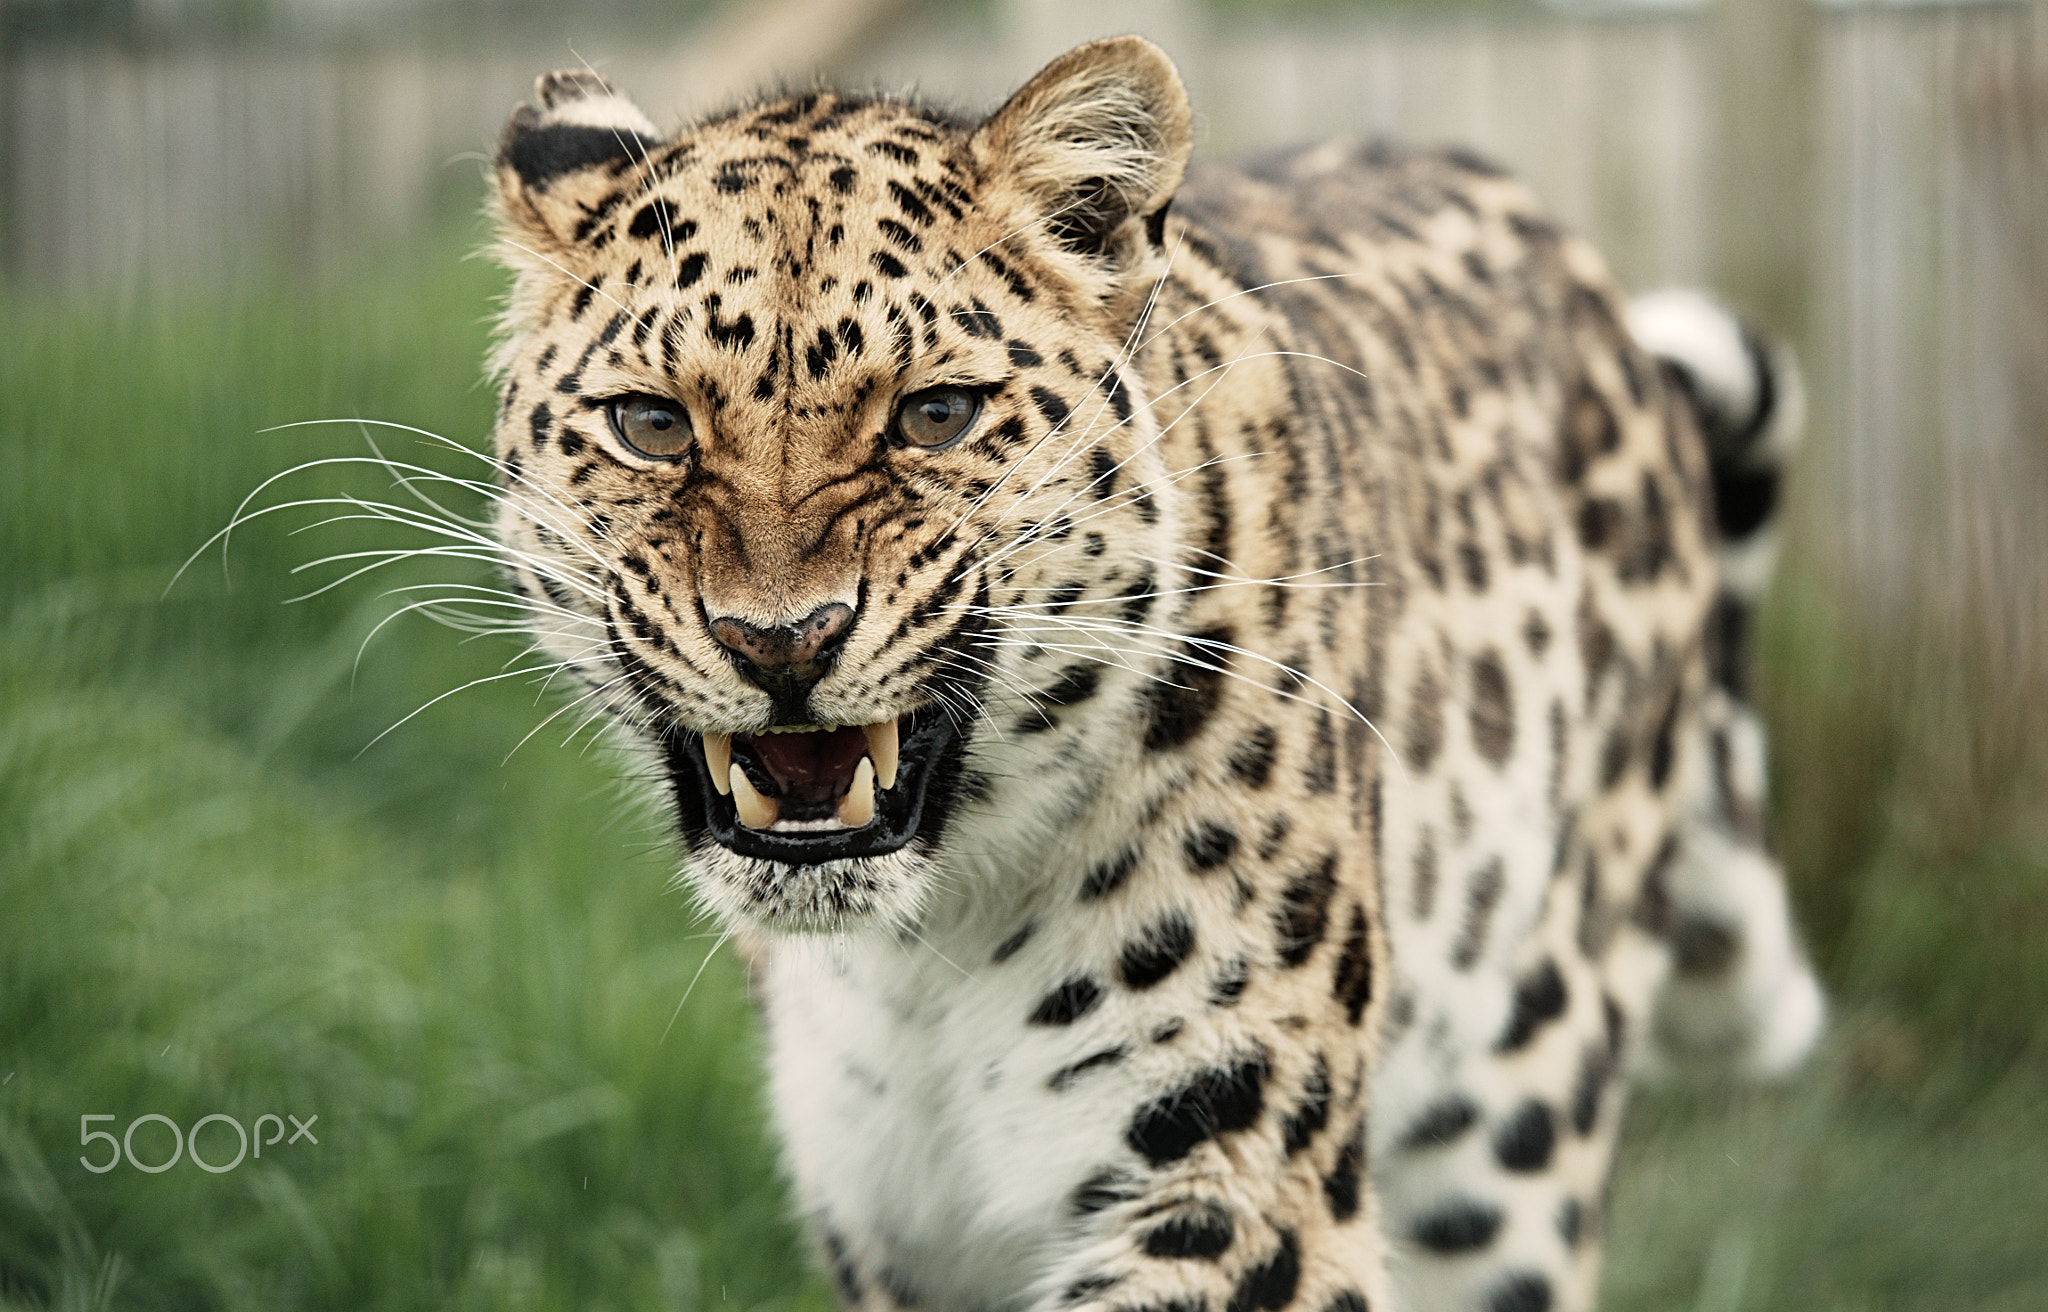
(818, 442)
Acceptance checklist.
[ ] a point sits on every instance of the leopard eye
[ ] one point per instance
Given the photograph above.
(936, 416)
(654, 426)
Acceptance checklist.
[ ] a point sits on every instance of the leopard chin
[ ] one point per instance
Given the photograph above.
(846, 895)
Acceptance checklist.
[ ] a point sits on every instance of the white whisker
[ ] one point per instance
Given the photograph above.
(424, 706)
(691, 987)
(1118, 361)
(565, 272)
(1244, 291)
(564, 709)
(1102, 625)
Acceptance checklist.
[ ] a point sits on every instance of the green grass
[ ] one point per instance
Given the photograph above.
(466, 966)
(464, 960)
(1890, 1175)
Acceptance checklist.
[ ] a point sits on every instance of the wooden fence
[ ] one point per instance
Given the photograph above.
(1924, 319)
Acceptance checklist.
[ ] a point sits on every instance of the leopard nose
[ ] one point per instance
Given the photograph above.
(786, 660)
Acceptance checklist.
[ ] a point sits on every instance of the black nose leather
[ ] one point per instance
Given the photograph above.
(786, 660)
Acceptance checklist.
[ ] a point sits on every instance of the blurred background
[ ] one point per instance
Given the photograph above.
(232, 242)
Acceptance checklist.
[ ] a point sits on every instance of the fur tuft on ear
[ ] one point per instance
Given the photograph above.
(1097, 143)
(554, 161)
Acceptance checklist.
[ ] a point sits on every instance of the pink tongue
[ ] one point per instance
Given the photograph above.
(811, 768)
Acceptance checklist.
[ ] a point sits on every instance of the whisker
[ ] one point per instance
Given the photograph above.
(964, 973)
(483, 596)
(1121, 359)
(424, 706)
(442, 522)
(393, 555)
(564, 709)
(1160, 436)
(572, 277)
(1224, 581)
(691, 987)
(410, 482)
(1139, 489)
(1037, 531)
(1109, 624)
(446, 618)
(1024, 227)
(1244, 291)
(475, 545)
(645, 168)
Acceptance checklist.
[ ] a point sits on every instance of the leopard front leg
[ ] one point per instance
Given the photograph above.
(1249, 1192)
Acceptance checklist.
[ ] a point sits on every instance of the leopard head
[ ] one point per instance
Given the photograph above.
(819, 447)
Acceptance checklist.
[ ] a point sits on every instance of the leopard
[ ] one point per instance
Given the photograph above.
(1209, 700)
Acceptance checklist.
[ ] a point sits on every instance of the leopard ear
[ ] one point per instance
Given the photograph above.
(1097, 143)
(558, 161)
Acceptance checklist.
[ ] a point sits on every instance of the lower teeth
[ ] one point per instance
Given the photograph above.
(858, 806)
(755, 811)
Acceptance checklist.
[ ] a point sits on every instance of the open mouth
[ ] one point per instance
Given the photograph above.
(816, 792)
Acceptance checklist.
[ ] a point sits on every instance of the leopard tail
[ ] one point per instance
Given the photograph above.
(1742, 990)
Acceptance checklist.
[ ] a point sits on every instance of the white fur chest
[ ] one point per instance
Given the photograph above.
(915, 1104)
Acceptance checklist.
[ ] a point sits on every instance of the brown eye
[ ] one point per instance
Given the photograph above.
(935, 416)
(651, 425)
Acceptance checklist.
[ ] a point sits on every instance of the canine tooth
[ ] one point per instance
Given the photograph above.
(883, 747)
(718, 756)
(858, 806)
(756, 811)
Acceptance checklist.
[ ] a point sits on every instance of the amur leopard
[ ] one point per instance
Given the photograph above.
(1207, 700)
